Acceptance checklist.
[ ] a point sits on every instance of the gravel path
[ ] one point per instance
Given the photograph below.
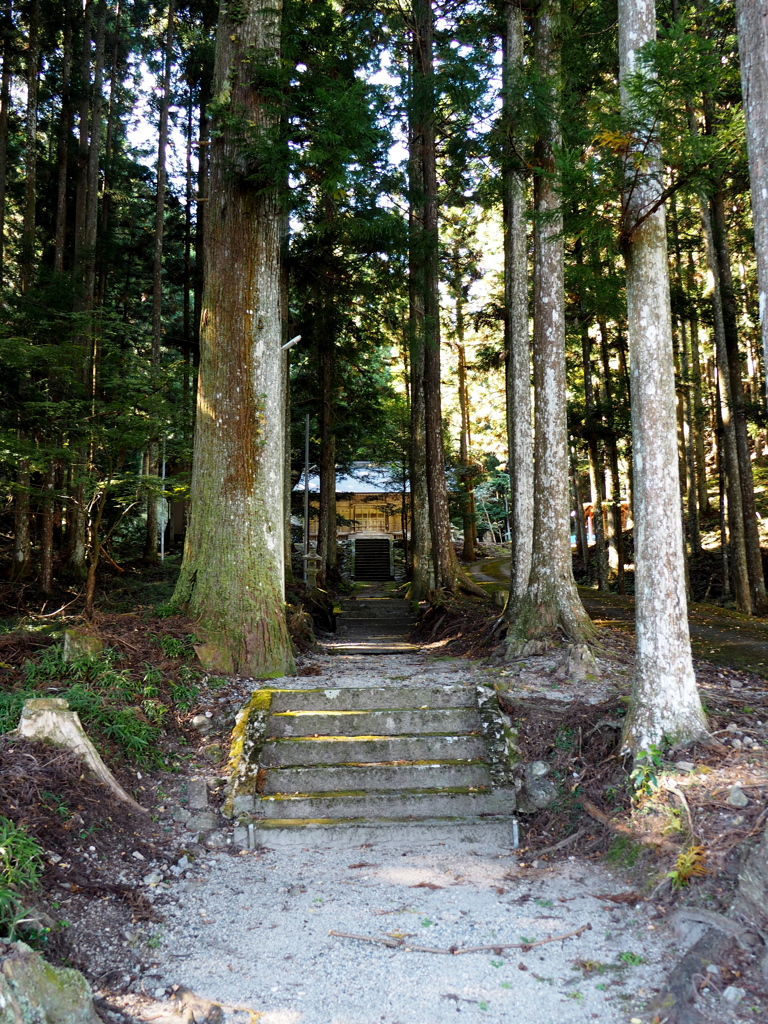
(251, 932)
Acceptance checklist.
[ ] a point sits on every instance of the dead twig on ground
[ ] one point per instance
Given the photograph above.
(616, 826)
(559, 846)
(497, 947)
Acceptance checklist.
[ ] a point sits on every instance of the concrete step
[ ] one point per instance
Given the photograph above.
(374, 723)
(403, 804)
(368, 698)
(316, 750)
(419, 775)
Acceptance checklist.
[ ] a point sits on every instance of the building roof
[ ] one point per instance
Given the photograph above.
(361, 478)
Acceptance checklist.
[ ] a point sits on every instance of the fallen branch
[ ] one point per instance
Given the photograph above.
(624, 830)
(558, 846)
(459, 951)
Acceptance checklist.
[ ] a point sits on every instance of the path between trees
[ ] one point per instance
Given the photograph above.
(300, 930)
(717, 634)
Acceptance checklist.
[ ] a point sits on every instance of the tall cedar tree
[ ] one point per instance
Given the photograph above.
(665, 704)
(231, 579)
(551, 601)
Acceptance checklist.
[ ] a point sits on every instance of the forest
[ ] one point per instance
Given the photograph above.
(523, 245)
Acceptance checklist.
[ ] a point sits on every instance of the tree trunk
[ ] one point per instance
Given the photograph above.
(22, 543)
(231, 579)
(62, 154)
(46, 531)
(733, 368)
(738, 548)
(448, 574)
(82, 143)
(613, 460)
(150, 544)
(664, 704)
(6, 26)
(551, 602)
(516, 334)
(752, 27)
(326, 530)
(469, 524)
(578, 504)
(596, 467)
(421, 541)
(30, 151)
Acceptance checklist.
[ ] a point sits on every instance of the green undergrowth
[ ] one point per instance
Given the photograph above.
(124, 712)
(21, 865)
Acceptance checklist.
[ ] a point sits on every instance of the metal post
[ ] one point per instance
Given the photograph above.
(306, 493)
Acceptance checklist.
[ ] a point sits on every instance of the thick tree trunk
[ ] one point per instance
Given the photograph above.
(752, 27)
(551, 602)
(231, 579)
(516, 334)
(30, 150)
(665, 704)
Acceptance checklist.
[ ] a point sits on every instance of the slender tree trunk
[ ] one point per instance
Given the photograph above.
(326, 530)
(115, 77)
(448, 573)
(62, 155)
(578, 504)
(46, 531)
(752, 27)
(421, 541)
(82, 144)
(30, 150)
(613, 460)
(231, 579)
(468, 496)
(738, 547)
(150, 544)
(664, 704)
(22, 541)
(596, 467)
(551, 601)
(516, 334)
(6, 26)
(733, 368)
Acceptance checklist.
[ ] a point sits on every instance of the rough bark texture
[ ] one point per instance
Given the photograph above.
(22, 543)
(421, 542)
(665, 702)
(752, 27)
(551, 601)
(231, 580)
(65, 130)
(6, 27)
(516, 334)
(469, 523)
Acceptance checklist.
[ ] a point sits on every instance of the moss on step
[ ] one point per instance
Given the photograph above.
(248, 737)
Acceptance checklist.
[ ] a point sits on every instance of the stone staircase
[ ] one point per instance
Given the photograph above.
(373, 558)
(381, 753)
(374, 625)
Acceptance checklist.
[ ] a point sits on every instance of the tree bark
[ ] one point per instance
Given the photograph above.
(62, 154)
(46, 529)
(733, 367)
(516, 333)
(231, 579)
(22, 542)
(6, 25)
(664, 704)
(752, 28)
(326, 530)
(469, 524)
(150, 544)
(421, 541)
(30, 150)
(551, 601)
(738, 548)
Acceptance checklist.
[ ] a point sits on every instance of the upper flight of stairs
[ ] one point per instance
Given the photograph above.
(373, 558)
(374, 625)
(384, 753)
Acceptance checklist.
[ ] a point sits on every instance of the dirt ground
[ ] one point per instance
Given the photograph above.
(679, 838)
